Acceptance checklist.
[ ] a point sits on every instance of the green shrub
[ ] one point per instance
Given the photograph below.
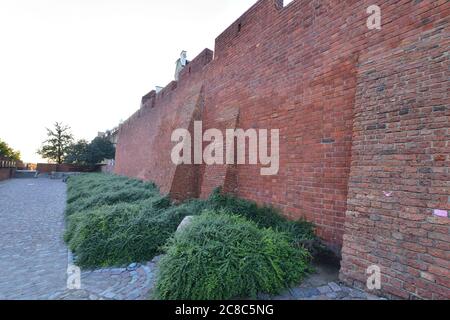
(120, 234)
(114, 220)
(301, 231)
(97, 238)
(88, 184)
(87, 192)
(222, 256)
(263, 216)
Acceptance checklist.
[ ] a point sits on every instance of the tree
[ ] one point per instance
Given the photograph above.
(90, 154)
(56, 146)
(7, 152)
(78, 153)
(100, 149)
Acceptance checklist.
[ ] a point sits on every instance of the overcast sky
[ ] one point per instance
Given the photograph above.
(87, 63)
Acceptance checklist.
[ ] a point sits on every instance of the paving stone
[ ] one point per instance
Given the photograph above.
(132, 267)
(340, 295)
(358, 294)
(324, 289)
(321, 298)
(372, 297)
(332, 295)
(284, 296)
(334, 286)
(134, 295)
(346, 289)
(299, 293)
(263, 296)
(311, 292)
(109, 295)
(37, 258)
(117, 271)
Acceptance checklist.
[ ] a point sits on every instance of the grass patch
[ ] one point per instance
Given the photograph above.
(222, 256)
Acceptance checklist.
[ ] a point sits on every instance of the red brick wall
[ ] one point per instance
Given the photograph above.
(49, 168)
(400, 159)
(144, 141)
(281, 74)
(339, 93)
(5, 173)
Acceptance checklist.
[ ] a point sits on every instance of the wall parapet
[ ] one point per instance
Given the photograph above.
(197, 65)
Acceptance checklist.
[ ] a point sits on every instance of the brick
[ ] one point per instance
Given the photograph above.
(439, 271)
(427, 276)
(364, 115)
(6, 173)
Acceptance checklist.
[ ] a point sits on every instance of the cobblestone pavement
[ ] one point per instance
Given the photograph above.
(329, 291)
(323, 285)
(136, 283)
(33, 257)
(132, 283)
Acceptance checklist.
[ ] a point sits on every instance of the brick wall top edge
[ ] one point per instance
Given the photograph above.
(194, 67)
(223, 40)
(148, 96)
(206, 56)
(197, 64)
(150, 99)
(262, 13)
(151, 94)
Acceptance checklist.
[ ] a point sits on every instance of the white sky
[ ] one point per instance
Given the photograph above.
(87, 63)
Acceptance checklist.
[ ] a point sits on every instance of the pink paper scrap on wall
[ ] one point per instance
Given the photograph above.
(441, 213)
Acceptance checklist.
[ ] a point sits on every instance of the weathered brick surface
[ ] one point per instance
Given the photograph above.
(144, 142)
(65, 167)
(364, 129)
(6, 173)
(400, 160)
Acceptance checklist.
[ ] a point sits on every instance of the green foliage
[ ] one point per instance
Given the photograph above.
(100, 149)
(87, 192)
(58, 142)
(85, 153)
(7, 152)
(94, 235)
(77, 153)
(302, 232)
(222, 256)
(128, 195)
(120, 234)
(113, 221)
